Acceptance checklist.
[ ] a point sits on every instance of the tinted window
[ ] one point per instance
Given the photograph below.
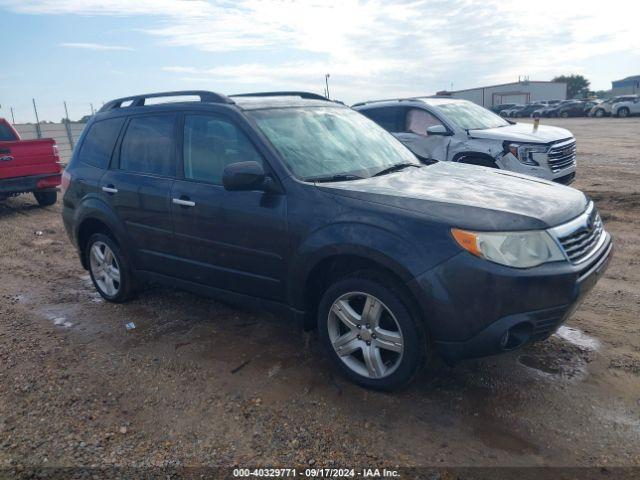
(99, 142)
(148, 145)
(210, 144)
(419, 120)
(387, 118)
(6, 135)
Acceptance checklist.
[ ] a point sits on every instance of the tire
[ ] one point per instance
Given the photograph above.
(599, 113)
(389, 348)
(623, 112)
(564, 114)
(110, 272)
(46, 199)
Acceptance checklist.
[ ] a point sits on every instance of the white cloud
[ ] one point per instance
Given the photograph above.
(378, 48)
(94, 46)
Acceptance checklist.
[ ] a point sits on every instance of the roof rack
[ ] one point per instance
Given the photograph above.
(307, 95)
(408, 99)
(139, 100)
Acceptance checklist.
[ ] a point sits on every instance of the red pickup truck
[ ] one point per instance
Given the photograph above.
(28, 166)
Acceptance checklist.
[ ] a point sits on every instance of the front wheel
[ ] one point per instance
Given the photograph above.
(623, 112)
(108, 268)
(46, 199)
(599, 113)
(564, 114)
(370, 331)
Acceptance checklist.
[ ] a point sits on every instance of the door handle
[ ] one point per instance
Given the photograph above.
(6, 158)
(184, 202)
(110, 189)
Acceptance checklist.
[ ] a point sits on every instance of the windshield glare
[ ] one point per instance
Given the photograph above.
(327, 141)
(469, 116)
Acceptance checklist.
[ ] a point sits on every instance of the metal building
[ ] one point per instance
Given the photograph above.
(517, 92)
(626, 86)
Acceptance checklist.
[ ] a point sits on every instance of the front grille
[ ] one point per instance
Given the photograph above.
(562, 156)
(583, 240)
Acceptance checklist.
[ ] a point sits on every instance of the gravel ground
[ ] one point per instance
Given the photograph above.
(200, 383)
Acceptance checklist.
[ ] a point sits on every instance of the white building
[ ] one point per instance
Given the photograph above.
(517, 92)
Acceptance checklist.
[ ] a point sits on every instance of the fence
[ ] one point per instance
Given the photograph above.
(65, 134)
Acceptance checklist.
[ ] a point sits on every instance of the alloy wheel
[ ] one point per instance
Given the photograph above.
(105, 268)
(365, 335)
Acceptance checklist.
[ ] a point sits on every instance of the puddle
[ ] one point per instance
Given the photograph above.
(578, 338)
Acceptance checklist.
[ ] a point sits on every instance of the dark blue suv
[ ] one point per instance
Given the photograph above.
(290, 202)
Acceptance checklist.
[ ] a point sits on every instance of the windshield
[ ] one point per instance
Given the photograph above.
(469, 116)
(330, 141)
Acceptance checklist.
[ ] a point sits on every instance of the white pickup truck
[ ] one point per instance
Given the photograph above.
(445, 129)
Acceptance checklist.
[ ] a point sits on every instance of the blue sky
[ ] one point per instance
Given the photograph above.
(89, 51)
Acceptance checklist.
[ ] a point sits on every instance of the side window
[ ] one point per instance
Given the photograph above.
(419, 120)
(148, 145)
(99, 141)
(387, 117)
(212, 143)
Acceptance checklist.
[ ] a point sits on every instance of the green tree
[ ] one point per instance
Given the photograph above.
(577, 85)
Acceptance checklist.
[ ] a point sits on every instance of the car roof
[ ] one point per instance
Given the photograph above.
(433, 101)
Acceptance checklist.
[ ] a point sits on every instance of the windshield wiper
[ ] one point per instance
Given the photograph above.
(339, 177)
(395, 168)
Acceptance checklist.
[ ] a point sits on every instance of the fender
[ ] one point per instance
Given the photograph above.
(96, 208)
(359, 239)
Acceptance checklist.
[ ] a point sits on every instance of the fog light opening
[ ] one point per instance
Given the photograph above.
(516, 336)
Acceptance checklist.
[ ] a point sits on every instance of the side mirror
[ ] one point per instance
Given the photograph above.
(437, 130)
(244, 176)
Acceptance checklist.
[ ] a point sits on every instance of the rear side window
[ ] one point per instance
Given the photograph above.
(419, 120)
(148, 145)
(388, 118)
(212, 143)
(6, 135)
(99, 141)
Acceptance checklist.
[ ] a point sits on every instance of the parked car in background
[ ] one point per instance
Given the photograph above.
(502, 106)
(391, 260)
(529, 109)
(28, 166)
(603, 109)
(511, 112)
(569, 108)
(626, 107)
(445, 129)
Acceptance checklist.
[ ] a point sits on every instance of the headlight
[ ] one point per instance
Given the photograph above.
(525, 153)
(513, 249)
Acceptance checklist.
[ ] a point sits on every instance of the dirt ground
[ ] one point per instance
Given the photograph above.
(198, 382)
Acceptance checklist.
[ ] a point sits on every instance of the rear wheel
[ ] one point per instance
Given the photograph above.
(370, 331)
(623, 112)
(599, 113)
(110, 273)
(46, 199)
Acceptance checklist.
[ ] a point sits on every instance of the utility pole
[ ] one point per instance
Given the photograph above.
(326, 82)
(93, 112)
(13, 118)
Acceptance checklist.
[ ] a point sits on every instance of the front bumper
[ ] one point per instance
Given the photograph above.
(476, 308)
(14, 186)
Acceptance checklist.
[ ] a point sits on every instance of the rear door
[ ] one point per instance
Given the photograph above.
(228, 240)
(138, 186)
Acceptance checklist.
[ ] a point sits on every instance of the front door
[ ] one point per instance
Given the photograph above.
(228, 240)
(138, 186)
(415, 137)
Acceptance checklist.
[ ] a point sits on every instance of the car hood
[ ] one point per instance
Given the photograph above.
(469, 196)
(523, 132)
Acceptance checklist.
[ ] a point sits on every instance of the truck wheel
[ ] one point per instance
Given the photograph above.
(109, 269)
(46, 199)
(371, 332)
(623, 112)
